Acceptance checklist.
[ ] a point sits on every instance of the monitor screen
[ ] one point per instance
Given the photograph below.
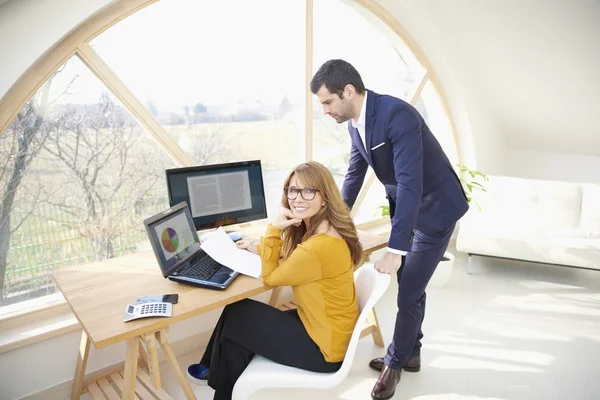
(219, 194)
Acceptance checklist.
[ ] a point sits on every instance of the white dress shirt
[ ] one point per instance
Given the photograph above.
(360, 126)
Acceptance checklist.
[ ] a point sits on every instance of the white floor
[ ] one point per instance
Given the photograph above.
(510, 330)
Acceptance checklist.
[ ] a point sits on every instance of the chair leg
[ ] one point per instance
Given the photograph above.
(469, 267)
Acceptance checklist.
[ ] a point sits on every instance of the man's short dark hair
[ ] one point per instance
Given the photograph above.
(335, 75)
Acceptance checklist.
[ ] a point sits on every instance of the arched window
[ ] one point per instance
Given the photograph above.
(179, 83)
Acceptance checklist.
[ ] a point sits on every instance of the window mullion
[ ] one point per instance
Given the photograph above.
(97, 65)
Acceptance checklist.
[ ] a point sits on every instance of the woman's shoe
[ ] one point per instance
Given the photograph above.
(198, 373)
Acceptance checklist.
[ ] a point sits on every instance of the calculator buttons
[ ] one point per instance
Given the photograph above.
(160, 309)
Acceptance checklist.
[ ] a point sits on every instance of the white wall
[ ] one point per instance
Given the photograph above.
(479, 143)
(553, 166)
(30, 27)
(518, 74)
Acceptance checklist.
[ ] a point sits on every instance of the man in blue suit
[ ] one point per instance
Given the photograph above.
(425, 196)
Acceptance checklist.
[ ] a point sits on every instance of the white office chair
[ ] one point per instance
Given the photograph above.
(262, 373)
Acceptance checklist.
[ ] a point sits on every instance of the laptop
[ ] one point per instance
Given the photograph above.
(178, 252)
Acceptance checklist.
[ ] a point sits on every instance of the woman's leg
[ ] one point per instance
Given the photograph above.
(205, 360)
(249, 327)
(228, 366)
(277, 335)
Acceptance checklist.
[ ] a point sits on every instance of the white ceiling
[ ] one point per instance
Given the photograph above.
(533, 65)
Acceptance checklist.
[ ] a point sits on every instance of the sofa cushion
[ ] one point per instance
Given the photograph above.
(590, 208)
(531, 204)
(566, 233)
(560, 204)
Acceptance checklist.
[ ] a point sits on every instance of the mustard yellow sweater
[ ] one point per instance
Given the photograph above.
(321, 274)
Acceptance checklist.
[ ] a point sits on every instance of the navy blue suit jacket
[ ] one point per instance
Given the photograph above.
(410, 162)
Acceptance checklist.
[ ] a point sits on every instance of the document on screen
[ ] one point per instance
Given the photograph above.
(221, 248)
(219, 193)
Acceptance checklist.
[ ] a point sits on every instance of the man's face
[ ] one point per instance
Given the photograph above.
(340, 109)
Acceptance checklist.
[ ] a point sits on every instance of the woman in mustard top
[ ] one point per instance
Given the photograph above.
(317, 241)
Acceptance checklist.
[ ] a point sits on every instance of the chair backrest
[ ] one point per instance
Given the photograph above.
(370, 286)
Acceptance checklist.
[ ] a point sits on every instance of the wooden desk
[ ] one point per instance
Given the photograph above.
(98, 294)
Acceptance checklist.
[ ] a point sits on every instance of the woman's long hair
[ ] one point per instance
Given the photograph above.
(335, 211)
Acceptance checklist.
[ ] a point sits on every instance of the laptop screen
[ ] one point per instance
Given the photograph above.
(173, 236)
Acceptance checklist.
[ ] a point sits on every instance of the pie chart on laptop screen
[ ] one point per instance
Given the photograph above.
(170, 240)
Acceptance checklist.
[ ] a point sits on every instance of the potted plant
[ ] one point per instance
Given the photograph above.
(473, 181)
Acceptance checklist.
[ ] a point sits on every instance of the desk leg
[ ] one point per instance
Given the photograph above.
(377, 337)
(185, 385)
(143, 356)
(130, 376)
(152, 361)
(275, 296)
(84, 351)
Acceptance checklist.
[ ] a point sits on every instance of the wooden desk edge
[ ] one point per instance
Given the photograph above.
(161, 323)
(374, 249)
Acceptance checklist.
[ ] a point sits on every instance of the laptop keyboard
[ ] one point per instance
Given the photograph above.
(201, 268)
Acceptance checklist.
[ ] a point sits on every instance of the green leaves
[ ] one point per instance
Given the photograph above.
(469, 179)
(472, 181)
(382, 211)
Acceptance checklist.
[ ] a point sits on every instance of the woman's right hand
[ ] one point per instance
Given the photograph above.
(285, 219)
(247, 245)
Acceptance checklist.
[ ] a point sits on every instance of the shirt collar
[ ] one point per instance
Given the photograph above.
(363, 112)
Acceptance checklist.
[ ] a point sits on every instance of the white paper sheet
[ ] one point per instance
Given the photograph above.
(222, 249)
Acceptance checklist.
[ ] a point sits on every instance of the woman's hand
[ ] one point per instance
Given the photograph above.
(285, 219)
(247, 245)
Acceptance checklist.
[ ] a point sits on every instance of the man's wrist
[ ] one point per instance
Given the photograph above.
(395, 251)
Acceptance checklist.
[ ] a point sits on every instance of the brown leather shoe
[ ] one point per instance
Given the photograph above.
(412, 365)
(385, 387)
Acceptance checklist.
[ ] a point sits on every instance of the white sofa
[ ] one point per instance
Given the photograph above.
(534, 220)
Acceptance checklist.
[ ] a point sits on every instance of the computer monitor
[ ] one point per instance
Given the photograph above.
(219, 194)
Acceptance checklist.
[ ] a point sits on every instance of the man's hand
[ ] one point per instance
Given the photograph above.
(285, 219)
(389, 263)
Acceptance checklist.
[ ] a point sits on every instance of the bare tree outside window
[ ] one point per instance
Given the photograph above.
(77, 177)
(93, 146)
(18, 147)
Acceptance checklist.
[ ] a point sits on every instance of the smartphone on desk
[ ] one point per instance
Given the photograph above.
(160, 298)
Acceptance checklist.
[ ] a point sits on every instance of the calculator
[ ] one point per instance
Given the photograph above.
(145, 310)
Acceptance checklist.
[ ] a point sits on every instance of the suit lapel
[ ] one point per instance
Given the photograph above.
(369, 123)
(356, 139)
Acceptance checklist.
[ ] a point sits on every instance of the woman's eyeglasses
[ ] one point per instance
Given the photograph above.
(306, 193)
